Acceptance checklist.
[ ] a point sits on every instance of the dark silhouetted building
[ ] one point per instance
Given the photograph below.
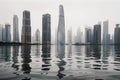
(97, 34)
(46, 29)
(7, 33)
(88, 35)
(117, 34)
(26, 28)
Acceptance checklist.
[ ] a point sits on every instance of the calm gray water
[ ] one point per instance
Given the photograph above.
(60, 63)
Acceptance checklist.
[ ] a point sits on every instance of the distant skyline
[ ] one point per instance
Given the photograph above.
(78, 13)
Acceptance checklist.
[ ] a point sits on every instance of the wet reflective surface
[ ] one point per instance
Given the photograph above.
(50, 62)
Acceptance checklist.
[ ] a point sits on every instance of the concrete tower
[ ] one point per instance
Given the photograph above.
(61, 27)
(7, 33)
(26, 28)
(46, 29)
(15, 29)
(37, 36)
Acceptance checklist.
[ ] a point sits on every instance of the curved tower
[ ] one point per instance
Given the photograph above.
(61, 27)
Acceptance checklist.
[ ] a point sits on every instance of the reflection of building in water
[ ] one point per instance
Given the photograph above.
(106, 51)
(25, 54)
(69, 56)
(78, 56)
(46, 49)
(5, 53)
(88, 50)
(96, 51)
(37, 49)
(15, 57)
(97, 57)
(62, 63)
(117, 53)
(117, 57)
(60, 51)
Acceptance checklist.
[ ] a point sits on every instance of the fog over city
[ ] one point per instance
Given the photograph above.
(78, 13)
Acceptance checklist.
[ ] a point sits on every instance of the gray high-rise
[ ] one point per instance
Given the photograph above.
(7, 33)
(117, 34)
(61, 27)
(46, 29)
(97, 34)
(88, 35)
(105, 32)
(26, 28)
(15, 29)
(37, 36)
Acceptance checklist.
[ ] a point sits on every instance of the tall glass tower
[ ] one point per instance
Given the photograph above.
(26, 28)
(46, 29)
(61, 27)
(15, 29)
(105, 32)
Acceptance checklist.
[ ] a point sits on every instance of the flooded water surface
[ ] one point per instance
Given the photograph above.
(37, 62)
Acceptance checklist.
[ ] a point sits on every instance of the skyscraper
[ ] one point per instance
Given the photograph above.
(78, 36)
(37, 36)
(97, 34)
(7, 33)
(105, 32)
(1, 34)
(61, 27)
(69, 39)
(15, 29)
(46, 29)
(26, 28)
(88, 35)
(117, 34)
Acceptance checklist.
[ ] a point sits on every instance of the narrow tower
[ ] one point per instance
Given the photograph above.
(26, 28)
(15, 29)
(61, 27)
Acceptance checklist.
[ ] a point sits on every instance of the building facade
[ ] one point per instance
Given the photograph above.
(26, 28)
(105, 32)
(88, 35)
(97, 34)
(37, 36)
(1, 33)
(117, 34)
(7, 33)
(61, 27)
(46, 29)
(15, 29)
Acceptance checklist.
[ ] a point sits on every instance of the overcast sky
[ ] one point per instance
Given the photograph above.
(78, 13)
